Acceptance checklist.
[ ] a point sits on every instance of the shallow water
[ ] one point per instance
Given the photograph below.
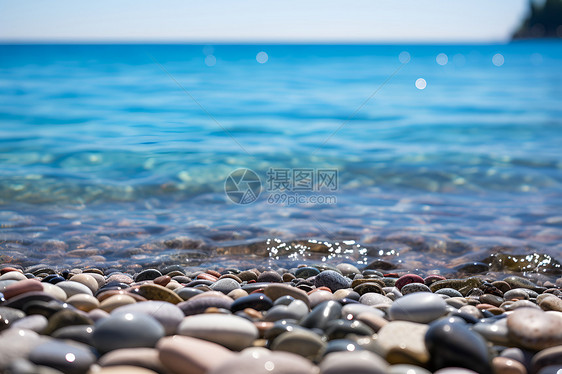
(105, 159)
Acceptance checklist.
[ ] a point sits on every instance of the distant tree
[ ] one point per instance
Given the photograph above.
(544, 21)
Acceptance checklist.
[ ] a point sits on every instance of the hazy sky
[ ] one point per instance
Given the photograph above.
(260, 20)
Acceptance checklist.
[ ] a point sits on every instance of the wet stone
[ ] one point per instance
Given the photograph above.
(368, 287)
(270, 277)
(69, 358)
(34, 322)
(451, 344)
(448, 292)
(66, 317)
(535, 329)
(148, 274)
(167, 314)
(116, 301)
(494, 331)
(79, 333)
(520, 282)
(127, 330)
(147, 358)
(403, 339)
(414, 287)
(419, 307)
(187, 292)
(363, 362)
(491, 299)
(408, 279)
(225, 285)
(547, 357)
(21, 287)
(8, 316)
(332, 279)
(157, 292)
(341, 345)
(322, 314)
(296, 310)
(551, 303)
(306, 272)
(72, 288)
(503, 365)
(233, 332)
(86, 279)
(348, 270)
(276, 291)
(83, 302)
(199, 303)
(248, 275)
(265, 363)
(407, 369)
(516, 294)
(340, 328)
(301, 342)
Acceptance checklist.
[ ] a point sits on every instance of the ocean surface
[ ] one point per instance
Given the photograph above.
(415, 156)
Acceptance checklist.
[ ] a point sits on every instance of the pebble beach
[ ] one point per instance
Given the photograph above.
(310, 319)
(285, 209)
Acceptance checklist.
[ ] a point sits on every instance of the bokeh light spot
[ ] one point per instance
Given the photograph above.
(262, 57)
(404, 57)
(498, 59)
(210, 60)
(421, 84)
(442, 59)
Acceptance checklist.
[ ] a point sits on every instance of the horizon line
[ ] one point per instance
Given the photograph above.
(258, 42)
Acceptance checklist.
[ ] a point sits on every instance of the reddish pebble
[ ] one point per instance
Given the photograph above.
(259, 290)
(391, 275)
(214, 273)
(407, 279)
(485, 306)
(8, 269)
(208, 277)
(162, 280)
(24, 286)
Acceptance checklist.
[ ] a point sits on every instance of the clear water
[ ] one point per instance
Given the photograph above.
(118, 154)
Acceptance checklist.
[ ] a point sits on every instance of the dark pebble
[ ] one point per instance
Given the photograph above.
(270, 277)
(322, 314)
(306, 272)
(64, 318)
(257, 301)
(452, 344)
(9, 316)
(333, 280)
(367, 287)
(340, 328)
(148, 274)
(341, 345)
(79, 333)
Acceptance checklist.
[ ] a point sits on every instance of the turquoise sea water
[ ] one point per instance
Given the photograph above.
(118, 154)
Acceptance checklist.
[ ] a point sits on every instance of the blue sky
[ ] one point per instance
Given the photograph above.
(261, 20)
